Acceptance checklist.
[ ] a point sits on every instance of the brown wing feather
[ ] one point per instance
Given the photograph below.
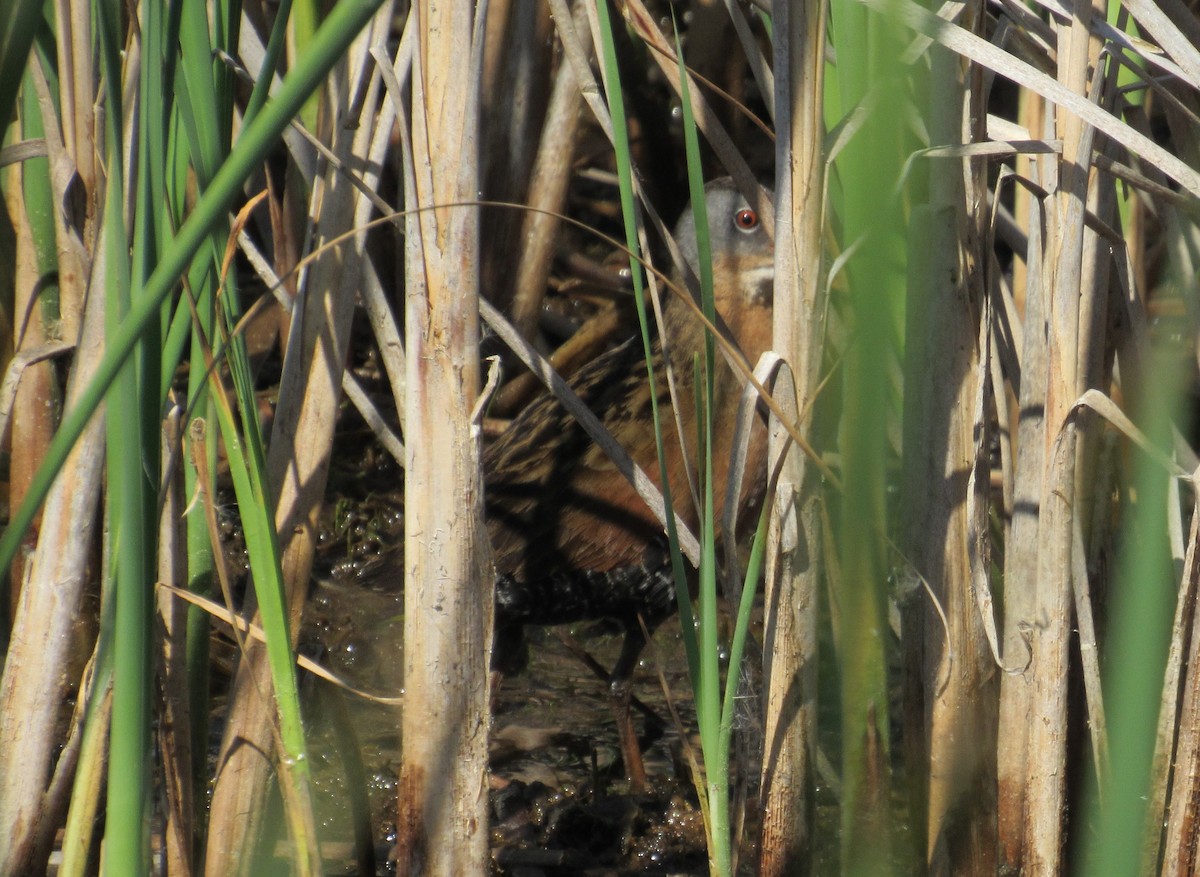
(541, 474)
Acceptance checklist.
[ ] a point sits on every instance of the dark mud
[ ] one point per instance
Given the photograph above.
(559, 802)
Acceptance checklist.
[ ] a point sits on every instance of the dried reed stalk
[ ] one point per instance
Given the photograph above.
(442, 825)
(45, 614)
(1046, 724)
(298, 465)
(794, 565)
(948, 415)
(1021, 538)
(34, 672)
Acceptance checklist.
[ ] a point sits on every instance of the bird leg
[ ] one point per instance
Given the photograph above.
(573, 646)
(620, 693)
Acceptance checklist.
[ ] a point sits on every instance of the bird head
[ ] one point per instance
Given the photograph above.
(743, 263)
(743, 255)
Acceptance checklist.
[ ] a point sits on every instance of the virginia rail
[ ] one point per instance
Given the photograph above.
(572, 539)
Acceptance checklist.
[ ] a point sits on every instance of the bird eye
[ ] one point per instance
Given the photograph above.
(745, 219)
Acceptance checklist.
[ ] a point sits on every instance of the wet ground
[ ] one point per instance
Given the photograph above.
(559, 802)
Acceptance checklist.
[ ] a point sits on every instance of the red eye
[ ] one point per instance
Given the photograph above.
(746, 219)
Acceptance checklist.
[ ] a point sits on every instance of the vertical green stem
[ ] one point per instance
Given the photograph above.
(127, 842)
(869, 169)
